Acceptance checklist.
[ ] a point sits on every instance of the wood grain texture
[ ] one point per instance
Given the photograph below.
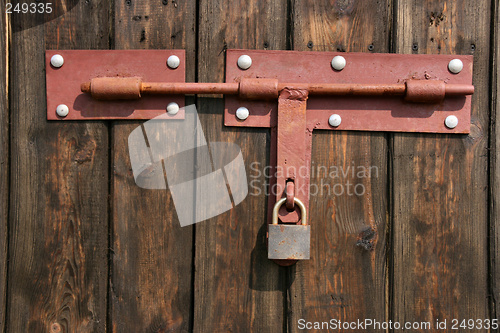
(347, 275)
(4, 162)
(151, 277)
(495, 167)
(440, 181)
(58, 200)
(237, 289)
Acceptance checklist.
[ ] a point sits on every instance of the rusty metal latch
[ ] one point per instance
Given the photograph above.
(293, 93)
(421, 91)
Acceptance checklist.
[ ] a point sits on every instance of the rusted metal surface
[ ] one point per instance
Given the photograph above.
(425, 91)
(292, 157)
(189, 88)
(116, 88)
(293, 152)
(422, 91)
(109, 88)
(264, 89)
(64, 84)
(364, 71)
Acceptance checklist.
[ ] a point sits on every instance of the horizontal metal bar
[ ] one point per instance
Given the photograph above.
(133, 88)
(166, 88)
(349, 89)
(346, 89)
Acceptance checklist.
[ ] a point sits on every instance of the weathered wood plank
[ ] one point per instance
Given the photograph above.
(151, 282)
(495, 167)
(236, 287)
(347, 275)
(59, 174)
(4, 162)
(440, 181)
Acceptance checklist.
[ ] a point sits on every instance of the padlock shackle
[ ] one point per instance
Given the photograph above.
(303, 210)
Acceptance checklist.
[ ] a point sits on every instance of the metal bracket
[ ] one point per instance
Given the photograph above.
(78, 66)
(293, 93)
(358, 113)
(414, 87)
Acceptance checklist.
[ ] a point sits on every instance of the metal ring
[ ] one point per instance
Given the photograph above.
(303, 212)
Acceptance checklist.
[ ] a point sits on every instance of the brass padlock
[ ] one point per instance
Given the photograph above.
(289, 241)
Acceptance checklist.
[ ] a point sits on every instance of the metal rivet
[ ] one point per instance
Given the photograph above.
(455, 66)
(173, 61)
(57, 61)
(172, 108)
(242, 113)
(334, 120)
(451, 122)
(338, 63)
(62, 110)
(244, 62)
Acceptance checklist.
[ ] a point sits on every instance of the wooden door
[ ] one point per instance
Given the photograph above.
(83, 249)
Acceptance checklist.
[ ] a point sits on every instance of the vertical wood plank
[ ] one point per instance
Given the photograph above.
(151, 282)
(4, 162)
(440, 181)
(236, 287)
(347, 274)
(495, 166)
(59, 174)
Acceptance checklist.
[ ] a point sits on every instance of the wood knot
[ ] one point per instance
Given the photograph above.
(55, 328)
(344, 7)
(86, 150)
(366, 239)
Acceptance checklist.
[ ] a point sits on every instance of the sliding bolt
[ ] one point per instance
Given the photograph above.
(338, 63)
(173, 62)
(455, 66)
(242, 113)
(172, 108)
(451, 122)
(244, 62)
(334, 120)
(57, 61)
(62, 110)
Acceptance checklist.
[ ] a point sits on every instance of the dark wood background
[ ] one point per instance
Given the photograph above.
(83, 249)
